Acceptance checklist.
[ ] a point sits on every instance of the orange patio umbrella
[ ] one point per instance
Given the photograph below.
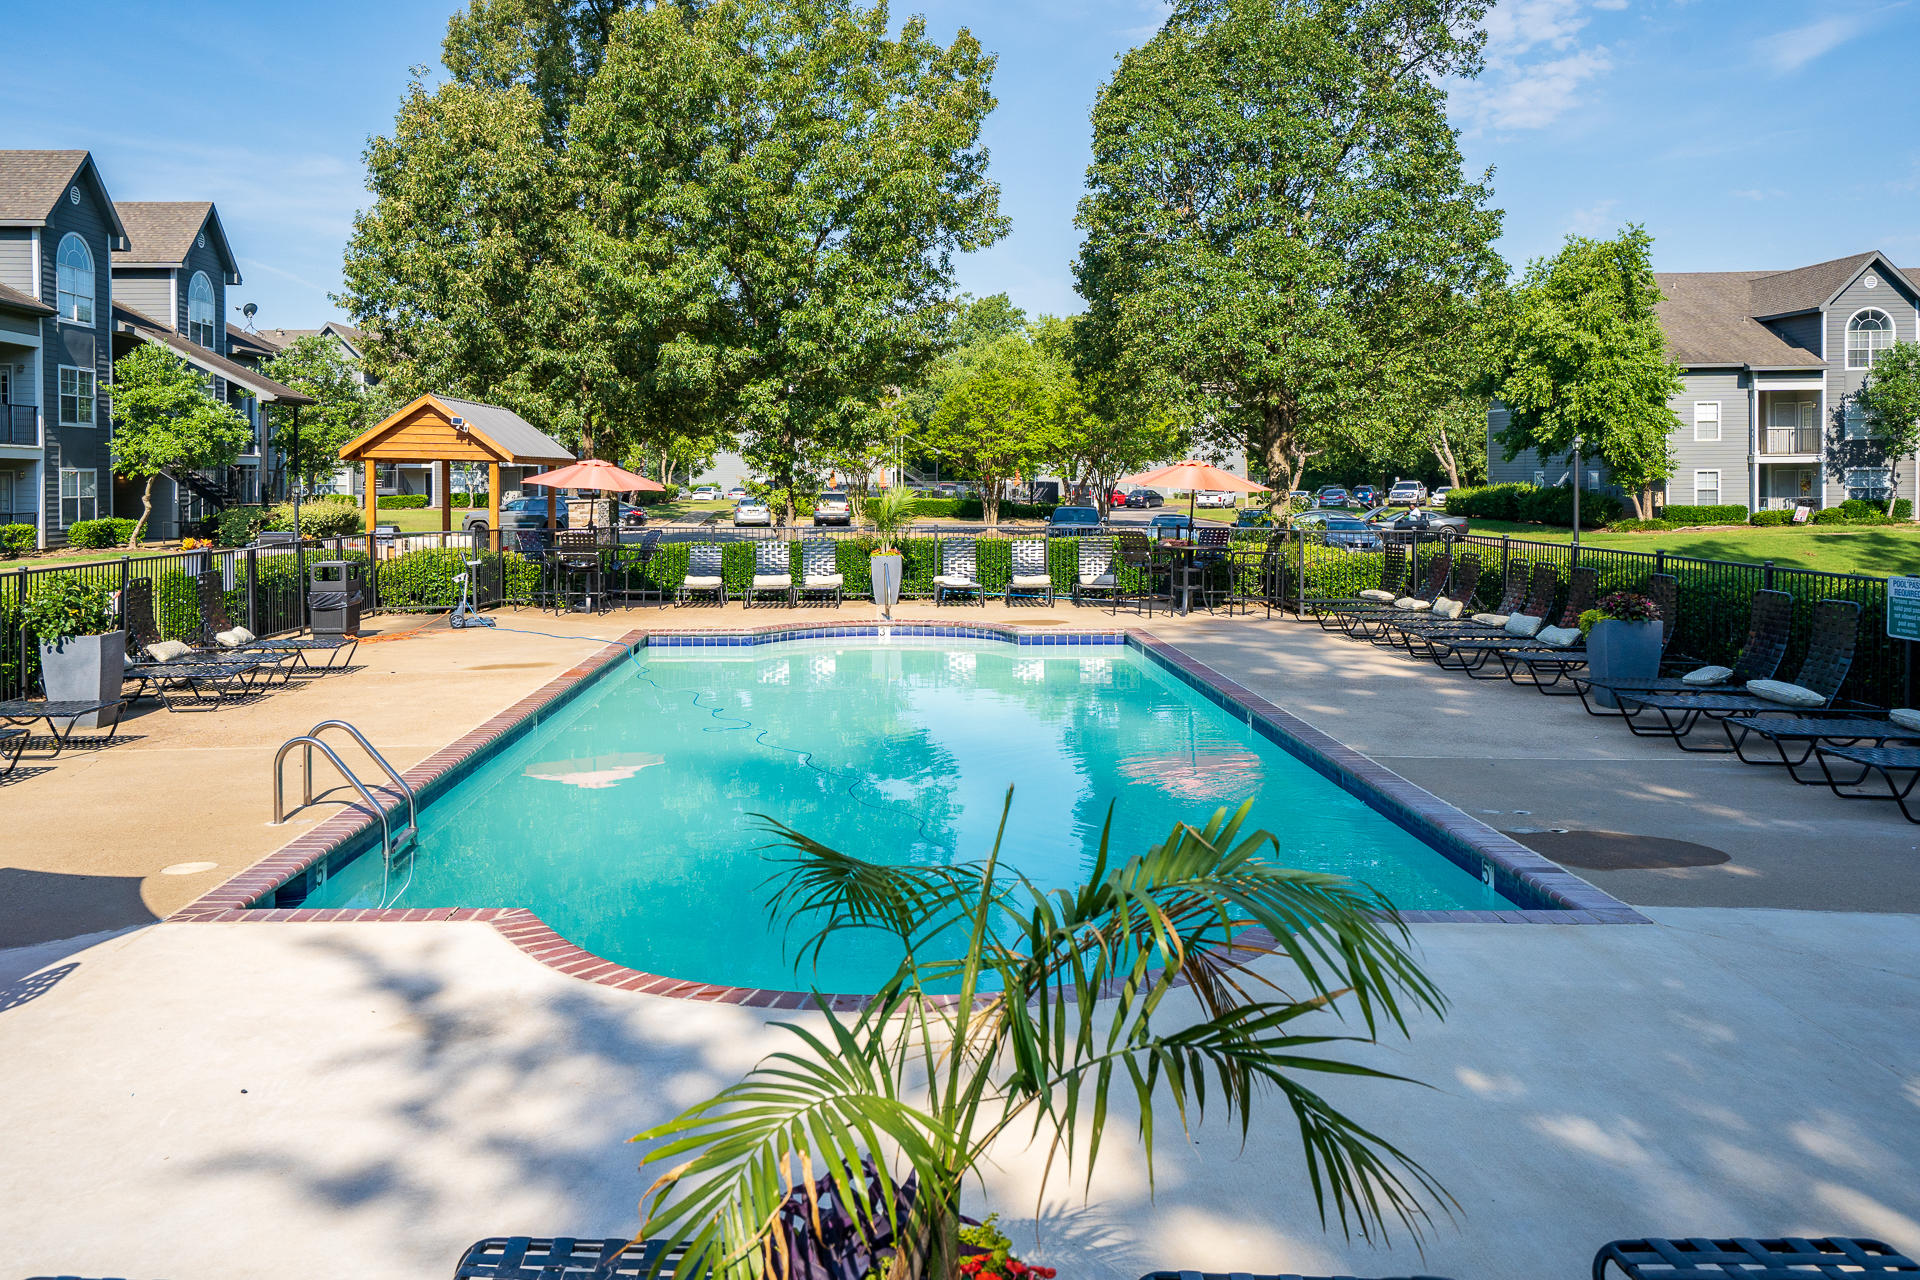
(594, 473)
(1193, 477)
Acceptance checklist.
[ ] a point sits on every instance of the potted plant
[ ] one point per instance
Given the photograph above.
(1020, 1013)
(83, 655)
(1623, 641)
(889, 513)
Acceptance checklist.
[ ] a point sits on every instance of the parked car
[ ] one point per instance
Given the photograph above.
(736, 494)
(518, 513)
(1364, 495)
(832, 508)
(1215, 500)
(1438, 497)
(1146, 498)
(1118, 498)
(752, 511)
(632, 517)
(1299, 495)
(1330, 497)
(1170, 524)
(1071, 521)
(1432, 521)
(1407, 493)
(1342, 529)
(705, 493)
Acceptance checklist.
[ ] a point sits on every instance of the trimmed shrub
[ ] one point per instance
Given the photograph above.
(402, 501)
(17, 540)
(423, 579)
(1488, 502)
(469, 500)
(325, 517)
(107, 531)
(1723, 513)
(237, 526)
(1772, 517)
(1641, 526)
(1841, 515)
(1903, 508)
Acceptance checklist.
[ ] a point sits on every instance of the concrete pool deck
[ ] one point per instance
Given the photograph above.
(411, 1087)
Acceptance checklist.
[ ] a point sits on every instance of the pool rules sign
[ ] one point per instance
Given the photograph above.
(1903, 608)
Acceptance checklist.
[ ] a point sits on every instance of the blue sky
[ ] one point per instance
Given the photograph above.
(1744, 134)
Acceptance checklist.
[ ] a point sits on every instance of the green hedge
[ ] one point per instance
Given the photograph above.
(1528, 503)
(1772, 517)
(469, 500)
(1641, 526)
(1488, 502)
(107, 531)
(423, 579)
(238, 526)
(321, 518)
(17, 540)
(1723, 513)
(401, 501)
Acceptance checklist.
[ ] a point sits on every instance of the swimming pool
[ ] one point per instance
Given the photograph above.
(625, 821)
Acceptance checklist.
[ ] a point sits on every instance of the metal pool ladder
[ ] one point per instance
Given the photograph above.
(391, 842)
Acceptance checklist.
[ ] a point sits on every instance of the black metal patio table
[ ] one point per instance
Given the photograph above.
(25, 712)
(560, 1258)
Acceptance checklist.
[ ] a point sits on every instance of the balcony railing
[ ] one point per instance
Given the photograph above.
(1803, 440)
(19, 424)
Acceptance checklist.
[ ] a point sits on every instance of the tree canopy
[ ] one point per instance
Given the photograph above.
(1277, 225)
(1576, 353)
(1889, 400)
(166, 421)
(997, 420)
(309, 446)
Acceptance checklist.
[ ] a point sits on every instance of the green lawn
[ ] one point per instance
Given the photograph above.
(1884, 551)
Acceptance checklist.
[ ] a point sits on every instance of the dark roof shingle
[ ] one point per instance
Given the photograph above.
(127, 320)
(160, 231)
(1782, 293)
(31, 182)
(1708, 318)
(18, 301)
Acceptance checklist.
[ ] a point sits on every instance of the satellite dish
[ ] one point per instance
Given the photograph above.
(247, 312)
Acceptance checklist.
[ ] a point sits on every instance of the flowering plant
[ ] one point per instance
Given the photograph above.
(997, 1262)
(1628, 606)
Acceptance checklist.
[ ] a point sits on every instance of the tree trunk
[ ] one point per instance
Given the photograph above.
(990, 499)
(1447, 459)
(146, 514)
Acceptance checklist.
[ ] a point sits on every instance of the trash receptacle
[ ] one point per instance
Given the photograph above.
(334, 595)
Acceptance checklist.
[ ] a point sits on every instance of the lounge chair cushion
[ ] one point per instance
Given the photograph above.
(1787, 695)
(1032, 580)
(1523, 625)
(1445, 608)
(701, 584)
(168, 650)
(954, 580)
(1491, 619)
(1101, 580)
(1905, 717)
(235, 638)
(1708, 675)
(1413, 604)
(1375, 593)
(825, 582)
(1558, 637)
(771, 581)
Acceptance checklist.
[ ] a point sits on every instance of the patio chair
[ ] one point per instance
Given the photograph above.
(1097, 571)
(179, 676)
(1210, 559)
(1750, 1259)
(1882, 761)
(1362, 619)
(1030, 574)
(1546, 668)
(1394, 583)
(959, 570)
(1135, 568)
(1836, 634)
(703, 574)
(772, 570)
(1393, 628)
(1418, 632)
(820, 570)
(1469, 653)
(25, 711)
(12, 753)
(1811, 732)
(216, 627)
(562, 1258)
(631, 564)
(1769, 628)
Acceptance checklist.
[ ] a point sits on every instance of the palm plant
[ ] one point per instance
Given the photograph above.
(889, 512)
(1058, 1004)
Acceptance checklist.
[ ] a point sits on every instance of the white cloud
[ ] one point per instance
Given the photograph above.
(1790, 50)
(1594, 220)
(1536, 64)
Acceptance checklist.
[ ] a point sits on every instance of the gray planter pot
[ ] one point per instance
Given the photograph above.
(886, 582)
(1622, 651)
(86, 669)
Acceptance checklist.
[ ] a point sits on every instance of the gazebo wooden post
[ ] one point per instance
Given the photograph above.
(493, 506)
(373, 508)
(446, 500)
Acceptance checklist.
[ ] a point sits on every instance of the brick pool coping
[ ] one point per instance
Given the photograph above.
(1506, 863)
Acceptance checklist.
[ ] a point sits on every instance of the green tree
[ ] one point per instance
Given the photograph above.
(1890, 403)
(1119, 990)
(343, 407)
(551, 47)
(998, 420)
(1099, 437)
(167, 422)
(1576, 353)
(1277, 220)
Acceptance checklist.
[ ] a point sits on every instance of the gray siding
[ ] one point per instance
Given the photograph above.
(1842, 382)
(1524, 467)
(76, 344)
(148, 291)
(27, 326)
(205, 259)
(1801, 331)
(1727, 455)
(16, 258)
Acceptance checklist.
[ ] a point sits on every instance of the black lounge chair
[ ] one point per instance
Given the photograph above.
(1769, 628)
(1097, 570)
(1397, 629)
(772, 571)
(18, 739)
(1546, 668)
(196, 679)
(1469, 653)
(1882, 761)
(959, 571)
(561, 1258)
(1359, 620)
(214, 624)
(1419, 638)
(1748, 1259)
(1028, 573)
(820, 570)
(25, 711)
(1836, 633)
(1393, 578)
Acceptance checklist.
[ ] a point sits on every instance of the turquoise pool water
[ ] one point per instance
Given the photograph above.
(626, 821)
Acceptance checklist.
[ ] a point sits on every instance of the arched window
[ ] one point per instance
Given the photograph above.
(1868, 334)
(200, 310)
(74, 278)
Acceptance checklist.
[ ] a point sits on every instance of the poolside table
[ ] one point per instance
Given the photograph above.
(558, 1258)
(26, 712)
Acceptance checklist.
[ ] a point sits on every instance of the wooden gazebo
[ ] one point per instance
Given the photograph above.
(440, 429)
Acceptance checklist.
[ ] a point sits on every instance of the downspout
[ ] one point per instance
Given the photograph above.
(1753, 442)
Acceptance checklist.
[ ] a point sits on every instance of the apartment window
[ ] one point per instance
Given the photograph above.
(1706, 488)
(76, 396)
(1854, 421)
(1869, 482)
(74, 280)
(1868, 334)
(200, 310)
(79, 495)
(1706, 420)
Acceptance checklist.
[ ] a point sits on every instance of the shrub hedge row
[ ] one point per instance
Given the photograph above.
(401, 501)
(17, 540)
(1679, 514)
(107, 531)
